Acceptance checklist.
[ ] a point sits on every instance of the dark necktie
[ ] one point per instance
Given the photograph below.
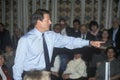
(46, 55)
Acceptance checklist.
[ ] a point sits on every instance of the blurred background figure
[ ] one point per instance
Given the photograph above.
(76, 28)
(57, 28)
(4, 37)
(4, 73)
(94, 30)
(37, 75)
(100, 57)
(16, 36)
(114, 66)
(76, 68)
(114, 33)
(9, 58)
(85, 34)
(65, 28)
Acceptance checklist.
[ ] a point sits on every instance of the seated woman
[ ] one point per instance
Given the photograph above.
(76, 69)
(4, 74)
(114, 66)
(94, 30)
(106, 39)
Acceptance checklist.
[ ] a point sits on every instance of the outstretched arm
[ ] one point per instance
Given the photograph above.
(96, 44)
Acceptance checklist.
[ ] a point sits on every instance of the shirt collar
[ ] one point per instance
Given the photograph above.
(38, 33)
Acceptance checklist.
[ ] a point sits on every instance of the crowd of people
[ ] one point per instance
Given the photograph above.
(80, 63)
(93, 57)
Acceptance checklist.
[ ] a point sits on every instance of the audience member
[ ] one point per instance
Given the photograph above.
(87, 51)
(94, 30)
(37, 75)
(114, 66)
(57, 28)
(9, 58)
(4, 73)
(16, 36)
(4, 37)
(114, 33)
(85, 34)
(76, 68)
(65, 28)
(100, 57)
(106, 39)
(76, 27)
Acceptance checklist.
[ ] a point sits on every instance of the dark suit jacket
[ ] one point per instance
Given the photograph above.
(89, 36)
(74, 33)
(69, 31)
(117, 38)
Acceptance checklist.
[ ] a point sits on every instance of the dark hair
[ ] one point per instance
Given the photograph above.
(84, 25)
(62, 19)
(111, 47)
(76, 21)
(35, 75)
(93, 23)
(55, 26)
(38, 15)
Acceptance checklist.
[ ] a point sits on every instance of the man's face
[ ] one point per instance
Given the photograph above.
(62, 23)
(76, 25)
(83, 30)
(45, 23)
(110, 53)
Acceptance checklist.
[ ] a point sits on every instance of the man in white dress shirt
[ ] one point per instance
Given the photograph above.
(30, 53)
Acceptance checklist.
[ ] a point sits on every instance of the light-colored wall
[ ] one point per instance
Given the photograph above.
(16, 13)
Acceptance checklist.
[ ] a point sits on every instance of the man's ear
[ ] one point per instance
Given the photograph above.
(39, 21)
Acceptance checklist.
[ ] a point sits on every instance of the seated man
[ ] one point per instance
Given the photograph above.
(37, 75)
(114, 66)
(76, 68)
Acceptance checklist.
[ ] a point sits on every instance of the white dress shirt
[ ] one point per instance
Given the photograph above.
(30, 53)
(63, 31)
(76, 68)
